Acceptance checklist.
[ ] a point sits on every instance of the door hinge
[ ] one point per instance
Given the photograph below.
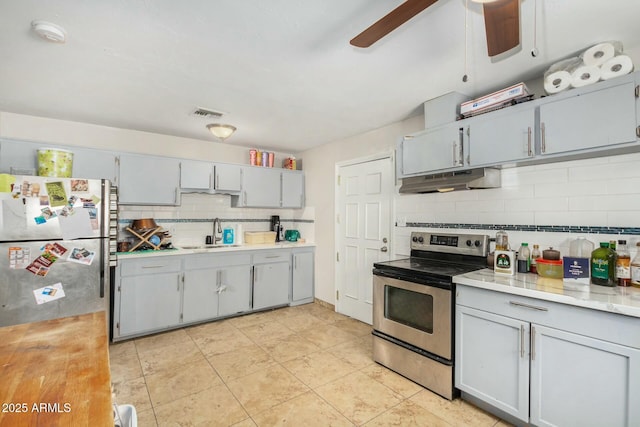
(181, 316)
(338, 256)
(638, 131)
(338, 218)
(638, 91)
(338, 179)
(118, 325)
(337, 294)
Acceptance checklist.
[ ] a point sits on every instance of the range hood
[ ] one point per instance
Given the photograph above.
(451, 181)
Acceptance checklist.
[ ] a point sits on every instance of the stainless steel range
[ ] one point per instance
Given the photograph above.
(413, 306)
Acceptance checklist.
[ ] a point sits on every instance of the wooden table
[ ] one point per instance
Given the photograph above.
(56, 373)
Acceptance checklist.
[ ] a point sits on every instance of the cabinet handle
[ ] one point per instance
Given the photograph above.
(522, 341)
(219, 278)
(244, 197)
(217, 180)
(529, 141)
(533, 307)
(543, 137)
(455, 160)
(179, 282)
(253, 283)
(295, 262)
(152, 266)
(272, 256)
(533, 343)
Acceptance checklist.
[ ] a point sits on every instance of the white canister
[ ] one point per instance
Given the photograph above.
(504, 262)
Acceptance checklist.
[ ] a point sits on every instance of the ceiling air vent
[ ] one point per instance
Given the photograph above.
(207, 114)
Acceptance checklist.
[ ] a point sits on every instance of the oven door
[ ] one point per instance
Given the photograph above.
(417, 314)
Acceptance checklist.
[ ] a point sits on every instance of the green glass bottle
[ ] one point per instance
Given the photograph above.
(603, 265)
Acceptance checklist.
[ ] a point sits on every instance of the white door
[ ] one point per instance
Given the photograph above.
(364, 230)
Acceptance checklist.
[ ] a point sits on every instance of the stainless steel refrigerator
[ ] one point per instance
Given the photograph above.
(56, 238)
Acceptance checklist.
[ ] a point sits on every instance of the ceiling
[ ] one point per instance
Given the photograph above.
(282, 70)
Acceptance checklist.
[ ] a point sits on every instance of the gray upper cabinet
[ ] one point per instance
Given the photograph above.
(87, 163)
(602, 118)
(148, 180)
(260, 188)
(503, 136)
(227, 178)
(195, 175)
(596, 120)
(200, 176)
(432, 150)
(292, 189)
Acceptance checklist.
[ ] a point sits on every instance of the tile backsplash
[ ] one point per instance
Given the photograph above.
(548, 204)
(190, 222)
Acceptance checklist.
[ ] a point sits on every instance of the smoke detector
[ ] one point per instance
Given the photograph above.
(49, 31)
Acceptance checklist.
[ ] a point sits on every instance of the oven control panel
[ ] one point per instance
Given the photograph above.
(465, 244)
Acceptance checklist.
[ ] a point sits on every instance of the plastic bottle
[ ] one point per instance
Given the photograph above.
(635, 268)
(535, 254)
(623, 264)
(603, 266)
(524, 258)
(580, 248)
(502, 241)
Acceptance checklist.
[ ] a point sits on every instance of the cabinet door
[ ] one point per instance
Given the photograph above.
(581, 381)
(18, 154)
(260, 187)
(292, 190)
(234, 290)
(195, 175)
(270, 285)
(492, 360)
(501, 136)
(302, 277)
(149, 303)
(147, 180)
(94, 164)
(200, 298)
(227, 177)
(433, 150)
(597, 119)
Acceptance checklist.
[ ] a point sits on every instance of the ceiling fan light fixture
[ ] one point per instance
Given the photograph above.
(221, 131)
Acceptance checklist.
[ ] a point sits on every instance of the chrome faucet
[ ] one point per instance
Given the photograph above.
(219, 231)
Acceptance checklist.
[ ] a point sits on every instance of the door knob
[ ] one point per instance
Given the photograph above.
(383, 249)
(384, 240)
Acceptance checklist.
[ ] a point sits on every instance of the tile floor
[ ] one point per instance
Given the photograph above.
(304, 365)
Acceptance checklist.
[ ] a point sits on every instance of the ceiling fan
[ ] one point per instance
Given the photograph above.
(501, 21)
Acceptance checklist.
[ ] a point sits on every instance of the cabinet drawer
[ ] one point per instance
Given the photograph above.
(166, 264)
(213, 260)
(272, 256)
(611, 327)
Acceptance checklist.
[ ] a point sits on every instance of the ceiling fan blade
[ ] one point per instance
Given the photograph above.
(390, 22)
(502, 25)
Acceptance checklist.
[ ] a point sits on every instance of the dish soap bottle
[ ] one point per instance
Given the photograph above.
(227, 236)
(603, 265)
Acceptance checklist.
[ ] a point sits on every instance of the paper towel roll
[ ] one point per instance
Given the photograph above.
(616, 67)
(599, 54)
(557, 82)
(585, 75)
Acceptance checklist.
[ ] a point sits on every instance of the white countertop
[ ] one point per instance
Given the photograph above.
(618, 300)
(221, 249)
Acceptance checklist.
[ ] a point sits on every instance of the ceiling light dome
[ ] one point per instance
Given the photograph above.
(221, 131)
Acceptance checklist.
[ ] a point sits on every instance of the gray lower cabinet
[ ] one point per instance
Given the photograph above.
(215, 285)
(147, 296)
(302, 285)
(545, 363)
(271, 279)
